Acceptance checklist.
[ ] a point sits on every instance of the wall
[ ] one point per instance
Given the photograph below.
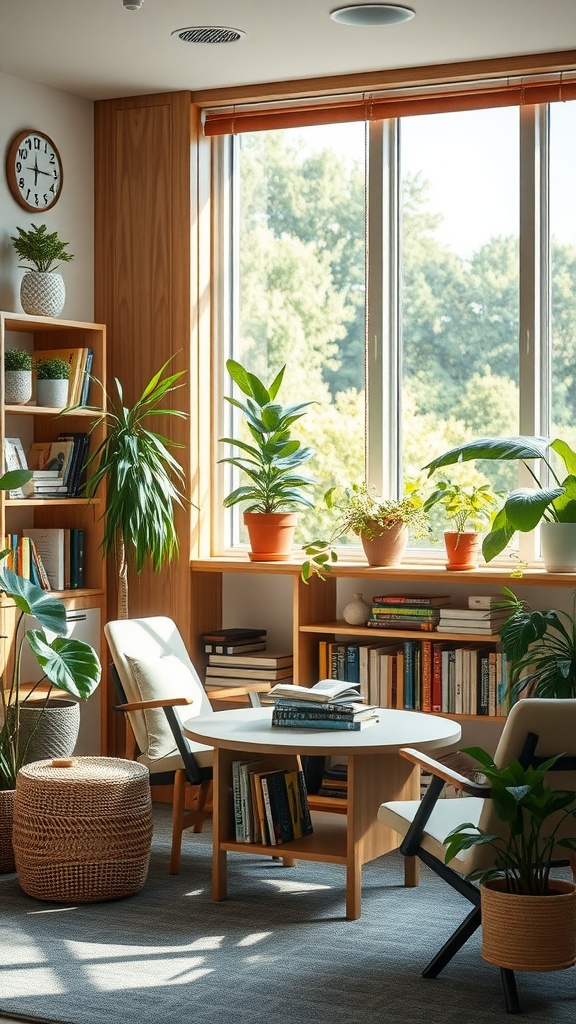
(69, 122)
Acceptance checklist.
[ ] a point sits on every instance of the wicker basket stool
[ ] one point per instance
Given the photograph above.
(82, 832)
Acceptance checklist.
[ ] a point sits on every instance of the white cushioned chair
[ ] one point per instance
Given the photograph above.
(535, 730)
(159, 689)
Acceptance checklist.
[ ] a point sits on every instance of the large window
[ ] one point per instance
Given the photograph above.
(393, 269)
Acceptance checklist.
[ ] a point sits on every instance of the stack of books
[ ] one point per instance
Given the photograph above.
(407, 611)
(327, 705)
(477, 621)
(58, 466)
(234, 640)
(270, 805)
(255, 666)
(335, 781)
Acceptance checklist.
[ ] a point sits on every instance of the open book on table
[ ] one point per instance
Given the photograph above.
(322, 692)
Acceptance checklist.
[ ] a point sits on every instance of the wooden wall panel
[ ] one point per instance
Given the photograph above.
(145, 258)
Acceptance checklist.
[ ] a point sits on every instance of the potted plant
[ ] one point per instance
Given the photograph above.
(70, 665)
(518, 895)
(42, 291)
(540, 649)
(554, 507)
(383, 525)
(271, 460)
(52, 376)
(143, 480)
(17, 376)
(468, 509)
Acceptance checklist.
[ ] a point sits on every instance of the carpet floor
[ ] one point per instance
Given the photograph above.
(278, 949)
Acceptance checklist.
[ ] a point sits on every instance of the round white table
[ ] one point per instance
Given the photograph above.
(376, 774)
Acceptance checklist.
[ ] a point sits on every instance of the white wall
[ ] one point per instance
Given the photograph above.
(68, 120)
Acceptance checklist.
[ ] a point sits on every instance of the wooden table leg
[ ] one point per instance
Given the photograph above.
(219, 816)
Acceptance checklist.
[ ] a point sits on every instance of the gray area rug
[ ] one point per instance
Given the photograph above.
(278, 949)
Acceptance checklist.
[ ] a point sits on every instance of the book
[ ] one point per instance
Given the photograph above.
(237, 672)
(488, 629)
(471, 614)
(402, 623)
(85, 386)
(275, 810)
(307, 827)
(328, 723)
(76, 558)
(324, 713)
(59, 459)
(38, 456)
(415, 600)
(264, 659)
(39, 564)
(326, 708)
(50, 546)
(230, 649)
(486, 601)
(323, 691)
(407, 611)
(298, 803)
(232, 635)
(76, 475)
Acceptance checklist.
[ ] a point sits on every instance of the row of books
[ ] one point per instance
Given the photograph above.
(57, 466)
(52, 558)
(270, 805)
(435, 614)
(80, 361)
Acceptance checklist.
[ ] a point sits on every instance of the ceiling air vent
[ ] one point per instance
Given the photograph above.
(208, 34)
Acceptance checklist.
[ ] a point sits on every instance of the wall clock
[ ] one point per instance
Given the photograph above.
(34, 170)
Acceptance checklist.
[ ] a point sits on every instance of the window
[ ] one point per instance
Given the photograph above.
(398, 270)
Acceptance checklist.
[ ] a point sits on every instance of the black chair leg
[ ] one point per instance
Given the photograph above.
(510, 990)
(454, 943)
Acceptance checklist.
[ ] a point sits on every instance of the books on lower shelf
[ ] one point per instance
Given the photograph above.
(270, 804)
(60, 554)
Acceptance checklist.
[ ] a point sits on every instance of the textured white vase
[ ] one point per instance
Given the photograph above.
(42, 294)
(52, 393)
(357, 611)
(17, 386)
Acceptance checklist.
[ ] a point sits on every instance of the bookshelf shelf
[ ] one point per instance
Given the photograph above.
(35, 423)
(341, 628)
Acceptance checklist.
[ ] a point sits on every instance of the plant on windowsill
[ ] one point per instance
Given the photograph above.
(518, 895)
(42, 291)
(540, 649)
(383, 525)
(52, 377)
(271, 461)
(468, 509)
(17, 376)
(554, 508)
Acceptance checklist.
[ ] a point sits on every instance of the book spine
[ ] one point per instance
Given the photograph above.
(352, 663)
(437, 677)
(426, 675)
(323, 659)
(281, 807)
(320, 716)
(411, 611)
(416, 602)
(387, 623)
(294, 803)
(237, 800)
(409, 675)
(307, 827)
(484, 689)
(270, 817)
(315, 723)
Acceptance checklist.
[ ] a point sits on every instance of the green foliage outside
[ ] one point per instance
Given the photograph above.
(302, 297)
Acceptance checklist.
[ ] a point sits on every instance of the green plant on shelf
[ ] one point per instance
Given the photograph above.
(17, 359)
(52, 369)
(39, 250)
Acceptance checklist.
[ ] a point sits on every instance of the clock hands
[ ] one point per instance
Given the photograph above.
(38, 170)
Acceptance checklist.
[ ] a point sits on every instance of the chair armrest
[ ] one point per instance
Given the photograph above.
(147, 705)
(444, 772)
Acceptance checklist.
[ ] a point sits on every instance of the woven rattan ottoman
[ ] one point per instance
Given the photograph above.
(82, 832)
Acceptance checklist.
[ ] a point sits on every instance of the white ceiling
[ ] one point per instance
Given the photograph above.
(98, 50)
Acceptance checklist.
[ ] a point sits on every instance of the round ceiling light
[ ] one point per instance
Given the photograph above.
(367, 15)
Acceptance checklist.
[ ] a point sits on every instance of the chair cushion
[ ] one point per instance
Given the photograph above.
(158, 678)
(447, 815)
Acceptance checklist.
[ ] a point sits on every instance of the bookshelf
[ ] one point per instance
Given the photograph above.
(314, 605)
(35, 423)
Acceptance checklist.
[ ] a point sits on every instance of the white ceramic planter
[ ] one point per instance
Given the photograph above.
(17, 386)
(42, 294)
(52, 393)
(558, 546)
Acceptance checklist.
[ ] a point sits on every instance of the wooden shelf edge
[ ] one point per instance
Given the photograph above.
(408, 573)
(45, 410)
(341, 627)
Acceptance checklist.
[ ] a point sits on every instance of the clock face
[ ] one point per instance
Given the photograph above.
(34, 170)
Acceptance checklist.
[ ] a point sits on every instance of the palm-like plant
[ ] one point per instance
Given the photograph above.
(71, 665)
(540, 649)
(143, 481)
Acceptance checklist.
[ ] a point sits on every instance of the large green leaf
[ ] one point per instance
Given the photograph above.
(69, 664)
(525, 507)
(522, 448)
(32, 600)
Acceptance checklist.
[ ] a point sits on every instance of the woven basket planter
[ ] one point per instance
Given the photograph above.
(6, 823)
(82, 833)
(529, 933)
(49, 729)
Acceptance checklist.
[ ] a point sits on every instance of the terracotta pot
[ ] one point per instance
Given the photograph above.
(6, 826)
(529, 933)
(271, 535)
(388, 547)
(462, 549)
